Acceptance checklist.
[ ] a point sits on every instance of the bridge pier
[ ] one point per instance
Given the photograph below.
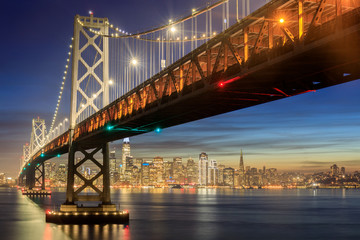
(30, 177)
(79, 207)
(35, 175)
(72, 195)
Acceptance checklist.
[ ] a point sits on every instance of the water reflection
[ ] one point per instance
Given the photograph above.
(85, 232)
(196, 214)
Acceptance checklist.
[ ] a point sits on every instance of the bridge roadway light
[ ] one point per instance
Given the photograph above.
(111, 82)
(173, 29)
(158, 130)
(282, 20)
(134, 61)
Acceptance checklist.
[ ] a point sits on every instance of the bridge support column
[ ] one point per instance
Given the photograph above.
(76, 209)
(30, 177)
(40, 175)
(75, 196)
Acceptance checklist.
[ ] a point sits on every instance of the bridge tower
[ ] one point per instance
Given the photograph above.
(37, 141)
(90, 67)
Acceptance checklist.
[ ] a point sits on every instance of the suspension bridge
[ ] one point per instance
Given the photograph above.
(216, 59)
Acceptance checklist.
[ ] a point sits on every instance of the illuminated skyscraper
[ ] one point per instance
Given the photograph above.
(334, 170)
(178, 171)
(145, 174)
(125, 153)
(114, 171)
(241, 170)
(203, 169)
(213, 173)
(229, 177)
(158, 174)
(191, 172)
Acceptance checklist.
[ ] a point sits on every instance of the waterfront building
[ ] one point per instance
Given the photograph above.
(191, 172)
(113, 167)
(178, 170)
(145, 173)
(213, 173)
(2, 178)
(157, 172)
(334, 170)
(203, 169)
(221, 168)
(241, 170)
(168, 172)
(61, 173)
(342, 171)
(229, 177)
(125, 153)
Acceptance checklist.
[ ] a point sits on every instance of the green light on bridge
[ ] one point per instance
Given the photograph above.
(109, 127)
(58, 155)
(42, 155)
(24, 168)
(28, 164)
(158, 130)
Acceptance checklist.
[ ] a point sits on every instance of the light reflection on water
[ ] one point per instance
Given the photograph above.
(196, 214)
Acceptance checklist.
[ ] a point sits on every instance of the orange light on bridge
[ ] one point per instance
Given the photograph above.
(282, 20)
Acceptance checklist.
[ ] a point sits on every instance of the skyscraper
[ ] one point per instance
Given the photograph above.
(229, 177)
(203, 169)
(191, 172)
(158, 166)
(241, 170)
(114, 172)
(213, 173)
(178, 171)
(125, 153)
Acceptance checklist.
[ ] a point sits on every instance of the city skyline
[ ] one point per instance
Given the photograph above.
(309, 131)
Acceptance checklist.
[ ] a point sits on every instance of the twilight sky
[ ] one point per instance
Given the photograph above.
(307, 132)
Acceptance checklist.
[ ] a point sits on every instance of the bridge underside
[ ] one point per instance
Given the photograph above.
(302, 70)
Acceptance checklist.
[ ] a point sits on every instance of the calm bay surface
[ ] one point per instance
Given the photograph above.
(196, 214)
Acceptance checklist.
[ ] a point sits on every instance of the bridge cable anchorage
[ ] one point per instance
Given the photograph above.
(62, 86)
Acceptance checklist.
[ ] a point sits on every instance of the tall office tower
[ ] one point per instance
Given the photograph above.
(61, 173)
(158, 165)
(203, 169)
(168, 172)
(137, 162)
(342, 171)
(178, 170)
(125, 153)
(229, 177)
(241, 170)
(114, 171)
(191, 172)
(49, 170)
(334, 170)
(145, 174)
(135, 176)
(213, 173)
(221, 168)
(129, 163)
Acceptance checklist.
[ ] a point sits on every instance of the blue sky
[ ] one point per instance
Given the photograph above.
(306, 132)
